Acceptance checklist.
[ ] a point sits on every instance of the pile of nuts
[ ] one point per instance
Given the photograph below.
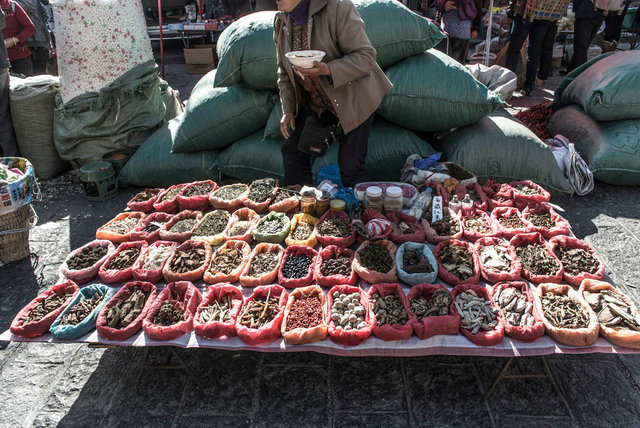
(87, 257)
(347, 312)
(123, 226)
(170, 313)
(263, 263)
(187, 260)
(124, 259)
(296, 266)
(226, 261)
(46, 306)
(306, 312)
(340, 265)
(441, 302)
(334, 226)
(81, 310)
(377, 258)
(389, 310)
(218, 311)
(259, 311)
(124, 312)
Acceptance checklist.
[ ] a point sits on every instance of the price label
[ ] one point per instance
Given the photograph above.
(436, 209)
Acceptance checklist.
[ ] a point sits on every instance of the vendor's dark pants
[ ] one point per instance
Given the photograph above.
(351, 155)
(40, 57)
(546, 57)
(8, 145)
(535, 30)
(584, 30)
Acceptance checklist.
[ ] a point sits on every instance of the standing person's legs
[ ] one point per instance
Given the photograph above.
(536, 35)
(297, 165)
(39, 56)
(519, 34)
(584, 31)
(352, 154)
(546, 57)
(8, 145)
(22, 66)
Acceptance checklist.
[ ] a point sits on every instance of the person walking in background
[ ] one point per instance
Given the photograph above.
(588, 22)
(461, 20)
(546, 56)
(40, 42)
(8, 145)
(17, 30)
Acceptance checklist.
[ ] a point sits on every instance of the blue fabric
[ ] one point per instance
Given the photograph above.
(347, 195)
(89, 323)
(330, 172)
(416, 278)
(427, 163)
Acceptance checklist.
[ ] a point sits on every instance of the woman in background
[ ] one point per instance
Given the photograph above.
(17, 30)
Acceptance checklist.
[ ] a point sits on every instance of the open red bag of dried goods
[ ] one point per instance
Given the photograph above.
(122, 316)
(261, 193)
(343, 327)
(285, 201)
(167, 201)
(241, 225)
(475, 192)
(35, 319)
(480, 321)
(431, 305)
(334, 228)
(546, 221)
(539, 263)
(149, 265)
(119, 265)
(181, 226)
(497, 260)
(498, 194)
(404, 228)
(527, 192)
(228, 262)
(449, 227)
(376, 226)
(393, 316)
(477, 224)
(446, 191)
(567, 317)
(218, 312)
(171, 314)
(302, 231)
(261, 316)
(457, 262)
(335, 266)
(84, 263)
(195, 196)
(579, 261)
(263, 264)
(149, 228)
(211, 227)
(120, 227)
(230, 197)
(297, 267)
(517, 303)
(187, 262)
(306, 316)
(617, 314)
(510, 222)
(374, 261)
(143, 201)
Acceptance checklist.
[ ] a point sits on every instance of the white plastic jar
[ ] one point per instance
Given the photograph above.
(393, 199)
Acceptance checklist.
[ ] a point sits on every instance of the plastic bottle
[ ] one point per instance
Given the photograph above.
(419, 204)
(454, 204)
(467, 204)
(393, 199)
(373, 198)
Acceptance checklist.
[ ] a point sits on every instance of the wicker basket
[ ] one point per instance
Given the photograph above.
(550, 10)
(14, 234)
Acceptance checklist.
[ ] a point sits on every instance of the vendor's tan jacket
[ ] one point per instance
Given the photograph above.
(357, 83)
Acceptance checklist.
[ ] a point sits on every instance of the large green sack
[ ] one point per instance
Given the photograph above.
(388, 149)
(119, 117)
(570, 77)
(251, 158)
(247, 51)
(272, 130)
(216, 117)
(433, 92)
(154, 165)
(612, 148)
(499, 147)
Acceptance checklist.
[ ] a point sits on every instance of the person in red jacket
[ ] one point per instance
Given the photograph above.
(16, 32)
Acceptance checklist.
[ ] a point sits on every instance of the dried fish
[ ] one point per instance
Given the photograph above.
(564, 311)
(495, 257)
(612, 311)
(475, 312)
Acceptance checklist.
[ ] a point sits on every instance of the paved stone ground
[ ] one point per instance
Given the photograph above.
(66, 385)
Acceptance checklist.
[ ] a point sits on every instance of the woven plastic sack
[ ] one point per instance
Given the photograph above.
(80, 276)
(447, 276)
(20, 191)
(299, 336)
(333, 251)
(200, 235)
(111, 333)
(334, 240)
(71, 332)
(523, 333)
(482, 337)
(109, 275)
(392, 331)
(151, 275)
(508, 232)
(311, 240)
(182, 293)
(232, 204)
(418, 231)
(270, 331)
(165, 231)
(570, 77)
(297, 250)
(252, 158)
(437, 324)
(272, 129)
(192, 275)
(167, 201)
(195, 202)
(116, 238)
(212, 277)
(247, 280)
(494, 276)
(561, 227)
(372, 276)
(567, 241)
(416, 278)
(525, 199)
(242, 214)
(274, 238)
(473, 235)
(431, 234)
(287, 205)
(217, 329)
(145, 205)
(498, 194)
(351, 337)
(535, 238)
(139, 234)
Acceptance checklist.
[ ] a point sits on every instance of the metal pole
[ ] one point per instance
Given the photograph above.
(487, 42)
(161, 41)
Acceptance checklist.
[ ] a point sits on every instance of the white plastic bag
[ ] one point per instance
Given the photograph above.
(571, 163)
(498, 79)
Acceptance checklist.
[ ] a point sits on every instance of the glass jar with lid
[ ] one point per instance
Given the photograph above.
(393, 199)
(373, 198)
(308, 205)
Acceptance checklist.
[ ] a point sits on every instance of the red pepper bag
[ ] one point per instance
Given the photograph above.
(399, 238)
(140, 273)
(535, 238)
(159, 219)
(296, 250)
(462, 190)
(498, 194)
(329, 252)
(187, 200)
(619, 337)
(566, 241)
(447, 276)
(40, 327)
(216, 329)
(270, 331)
(494, 276)
(182, 293)
(229, 204)
(287, 205)
(437, 324)
(334, 240)
(104, 233)
(109, 275)
(247, 280)
(446, 195)
(211, 277)
(392, 331)
(192, 275)
(351, 337)
(80, 276)
(524, 333)
(431, 234)
(472, 235)
(299, 336)
(371, 276)
(523, 199)
(165, 231)
(242, 214)
(561, 227)
(482, 337)
(506, 232)
(569, 336)
(124, 333)
(260, 207)
(165, 202)
(143, 201)
(376, 223)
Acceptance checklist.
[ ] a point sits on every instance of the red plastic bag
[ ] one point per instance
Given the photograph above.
(441, 190)
(80, 276)
(431, 234)
(165, 231)
(109, 275)
(379, 228)
(216, 329)
(566, 241)
(182, 293)
(437, 324)
(242, 214)
(139, 234)
(229, 204)
(523, 199)
(462, 190)
(494, 276)
(248, 280)
(473, 235)
(165, 202)
(40, 327)
(498, 194)
(124, 333)
(233, 276)
(482, 337)
(139, 203)
(351, 337)
(416, 236)
(287, 205)
(447, 276)
(154, 274)
(195, 202)
(260, 207)
(334, 240)
(524, 333)
(192, 275)
(561, 227)
(392, 331)
(535, 238)
(371, 276)
(506, 232)
(330, 252)
(271, 330)
(297, 250)
(117, 238)
(298, 336)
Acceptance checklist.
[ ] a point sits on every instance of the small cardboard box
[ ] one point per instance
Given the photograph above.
(200, 54)
(200, 68)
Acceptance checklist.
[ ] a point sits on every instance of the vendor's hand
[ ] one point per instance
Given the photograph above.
(318, 69)
(450, 5)
(10, 42)
(474, 34)
(288, 120)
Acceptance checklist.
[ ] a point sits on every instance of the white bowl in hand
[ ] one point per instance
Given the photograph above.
(304, 59)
